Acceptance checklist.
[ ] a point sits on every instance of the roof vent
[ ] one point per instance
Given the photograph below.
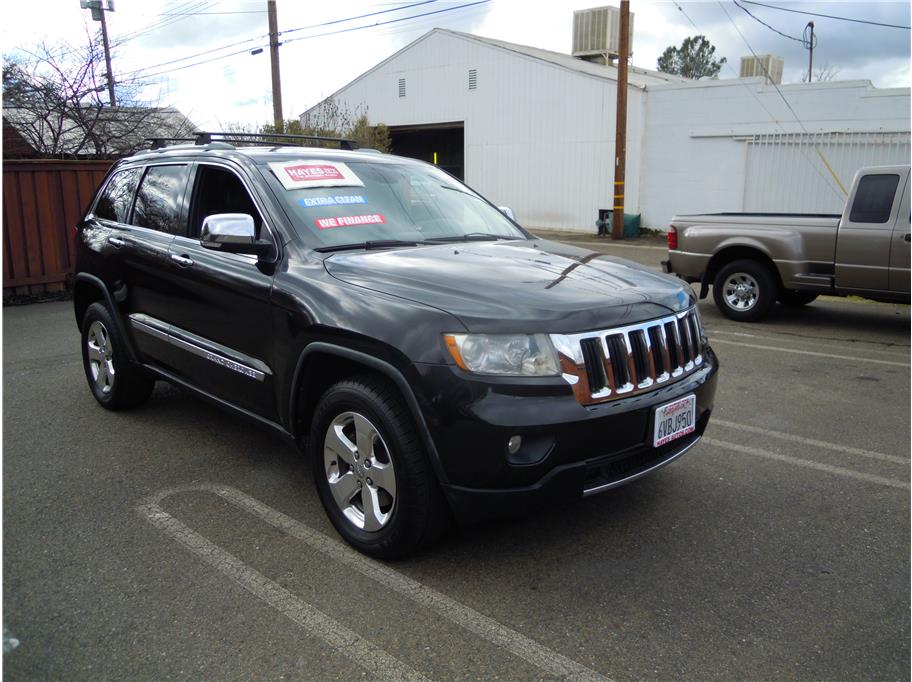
(473, 79)
(402, 87)
(596, 34)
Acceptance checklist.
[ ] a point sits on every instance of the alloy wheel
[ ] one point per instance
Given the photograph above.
(741, 291)
(359, 471)
(101, 356)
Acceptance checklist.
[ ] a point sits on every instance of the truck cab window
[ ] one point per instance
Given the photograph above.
(874, 198)
(159, 198)
(220, 191)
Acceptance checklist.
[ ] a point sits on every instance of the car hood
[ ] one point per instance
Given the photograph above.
(517, 285)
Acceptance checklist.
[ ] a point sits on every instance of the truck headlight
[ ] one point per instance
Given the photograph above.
(528, 355)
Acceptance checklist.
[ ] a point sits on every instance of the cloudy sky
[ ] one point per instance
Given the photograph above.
(166, 41)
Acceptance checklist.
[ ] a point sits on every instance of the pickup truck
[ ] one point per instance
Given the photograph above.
(753, 260)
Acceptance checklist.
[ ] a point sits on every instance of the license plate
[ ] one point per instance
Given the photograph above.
(674, 420)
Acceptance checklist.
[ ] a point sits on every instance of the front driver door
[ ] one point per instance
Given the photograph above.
(221, 318)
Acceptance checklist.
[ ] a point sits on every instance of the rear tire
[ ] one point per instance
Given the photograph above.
(115, 381)
(796, 299)
(745, 290)
(371, 470)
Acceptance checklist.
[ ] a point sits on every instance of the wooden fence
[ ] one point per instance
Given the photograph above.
(42, 202)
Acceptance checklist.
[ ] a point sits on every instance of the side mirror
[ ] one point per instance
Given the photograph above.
(507, 211)
(232, 233)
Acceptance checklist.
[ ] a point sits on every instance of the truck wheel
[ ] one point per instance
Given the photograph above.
(744, 290)
(116, 382)
(796, 299)
(371, 471)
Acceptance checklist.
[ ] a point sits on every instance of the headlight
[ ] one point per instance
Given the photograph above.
(530, 355)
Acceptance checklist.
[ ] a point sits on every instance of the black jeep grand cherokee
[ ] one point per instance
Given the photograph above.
(437, 358)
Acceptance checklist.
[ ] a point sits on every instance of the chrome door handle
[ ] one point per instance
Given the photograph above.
(116, 242)
(183, 261)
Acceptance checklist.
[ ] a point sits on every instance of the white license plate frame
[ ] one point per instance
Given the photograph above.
(674, 420)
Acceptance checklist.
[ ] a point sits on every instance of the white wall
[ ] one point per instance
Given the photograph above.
(538, 138)
(696, 156)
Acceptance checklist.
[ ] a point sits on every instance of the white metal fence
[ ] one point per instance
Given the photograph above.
(794, 173)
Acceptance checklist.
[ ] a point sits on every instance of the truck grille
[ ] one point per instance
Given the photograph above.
(616, 363)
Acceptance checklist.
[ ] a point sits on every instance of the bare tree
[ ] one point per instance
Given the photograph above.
(334, 119)
(53, 96)
(823, 74)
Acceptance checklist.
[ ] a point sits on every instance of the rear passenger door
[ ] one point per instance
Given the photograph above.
(220, 310)
(159, 214)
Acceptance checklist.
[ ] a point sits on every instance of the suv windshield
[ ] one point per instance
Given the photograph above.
(337, 204)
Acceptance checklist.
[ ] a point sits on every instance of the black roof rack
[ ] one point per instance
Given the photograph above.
(162, 142)
(272, 139)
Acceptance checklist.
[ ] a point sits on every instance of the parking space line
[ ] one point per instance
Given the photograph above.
(809, 352)
(810, 441)
(892, 349)
(467, 618)
(316, 623)
(810, 464)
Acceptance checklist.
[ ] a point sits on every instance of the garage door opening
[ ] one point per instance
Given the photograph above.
(442, 144)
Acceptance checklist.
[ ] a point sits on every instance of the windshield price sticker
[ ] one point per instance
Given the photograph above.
(301, 174)
(339, 200)
(350, 221)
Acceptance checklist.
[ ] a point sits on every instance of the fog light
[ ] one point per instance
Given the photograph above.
(514, 444)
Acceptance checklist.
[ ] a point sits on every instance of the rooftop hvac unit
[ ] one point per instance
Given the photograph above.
(596, 33)
(767, 65)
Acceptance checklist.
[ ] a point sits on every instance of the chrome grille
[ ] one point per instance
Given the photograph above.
(615, 363)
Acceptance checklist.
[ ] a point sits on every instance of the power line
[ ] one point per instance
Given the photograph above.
(360, 16)
(142, 73)
(292, 30)
(771, 28)
(828, 16)
(181, 12)
(391, 21)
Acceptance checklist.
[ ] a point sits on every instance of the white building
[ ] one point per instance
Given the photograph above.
(534, 130)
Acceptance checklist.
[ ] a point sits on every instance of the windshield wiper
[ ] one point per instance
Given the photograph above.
(372, 244)
(470, 237)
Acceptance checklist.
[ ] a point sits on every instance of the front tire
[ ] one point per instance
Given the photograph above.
(371, 471)
(745, 290)
(116, 383)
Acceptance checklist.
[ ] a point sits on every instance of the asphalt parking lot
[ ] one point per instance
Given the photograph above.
(176, 542)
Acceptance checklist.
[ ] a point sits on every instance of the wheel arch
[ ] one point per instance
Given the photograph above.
(89, 289)
(733, 252)
(321, 364)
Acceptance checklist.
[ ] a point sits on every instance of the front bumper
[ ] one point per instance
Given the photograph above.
(569, 450)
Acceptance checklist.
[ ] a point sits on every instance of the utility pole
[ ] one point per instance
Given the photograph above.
(810, 49)
(274, 59)
(98, 14)
(620, 135)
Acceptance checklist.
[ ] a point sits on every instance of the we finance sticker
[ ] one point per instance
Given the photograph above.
(338, 200)
(301, 174)
(349, 221)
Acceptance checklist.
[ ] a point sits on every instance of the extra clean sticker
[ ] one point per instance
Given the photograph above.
(338, 200)
(301, 174)
(350, 221)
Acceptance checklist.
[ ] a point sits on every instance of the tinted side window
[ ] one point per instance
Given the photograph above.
(220, 191)
(874, 199)
(114, 202)
(158, 200)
